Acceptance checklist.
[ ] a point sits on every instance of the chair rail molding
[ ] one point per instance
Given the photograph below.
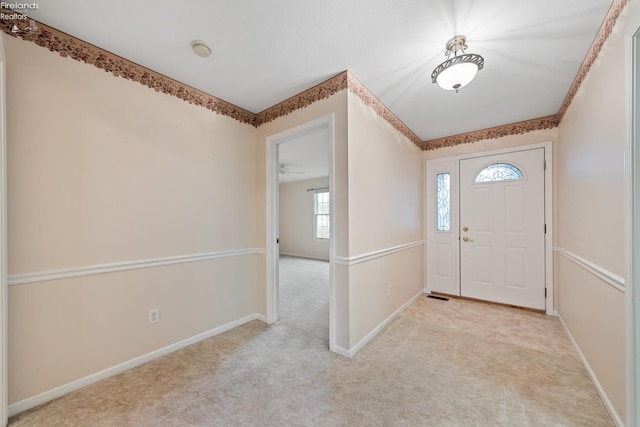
(376, 254)
(65, 273)
(602, 273)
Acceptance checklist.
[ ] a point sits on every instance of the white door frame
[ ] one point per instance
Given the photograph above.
(272, 198)
(548, 209)
(3, 241)
(632, 225)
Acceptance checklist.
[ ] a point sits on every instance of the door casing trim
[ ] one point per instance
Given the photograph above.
(4, 392)
(272, 199)
(632, 206)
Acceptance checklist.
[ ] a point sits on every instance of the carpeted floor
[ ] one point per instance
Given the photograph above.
(455, 363)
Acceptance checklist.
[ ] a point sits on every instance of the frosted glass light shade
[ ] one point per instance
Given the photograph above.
(457, 76)
(458, 71)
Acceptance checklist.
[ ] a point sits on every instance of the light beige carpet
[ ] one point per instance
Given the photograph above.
(455, 363)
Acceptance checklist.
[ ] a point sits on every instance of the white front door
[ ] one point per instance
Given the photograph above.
(502, 228)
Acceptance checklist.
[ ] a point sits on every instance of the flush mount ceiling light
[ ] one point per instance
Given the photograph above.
(200, 48)
(457, 72)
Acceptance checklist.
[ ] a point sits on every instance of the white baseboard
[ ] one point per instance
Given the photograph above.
(605, 399)
(356, 348)
(33, 401)
(305, 256)
(342, 351)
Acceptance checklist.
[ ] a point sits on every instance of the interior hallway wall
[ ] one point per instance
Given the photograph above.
(590, 210)
(297, 220)
(378, 206)
(385, 218)
(104, 171)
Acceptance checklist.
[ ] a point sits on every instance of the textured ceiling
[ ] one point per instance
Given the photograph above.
(265, 51)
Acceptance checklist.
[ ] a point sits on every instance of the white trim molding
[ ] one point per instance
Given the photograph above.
(632, 225)
(376, 254)
(605, 399)
(602, 273)
(65, 273)
(342, 351)
(4, 373)
(273, 213)
(371, 335)
(33, 401)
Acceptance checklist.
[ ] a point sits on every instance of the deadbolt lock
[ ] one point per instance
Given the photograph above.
(465, 228)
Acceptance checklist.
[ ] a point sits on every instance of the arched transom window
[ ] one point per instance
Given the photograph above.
(499, 172)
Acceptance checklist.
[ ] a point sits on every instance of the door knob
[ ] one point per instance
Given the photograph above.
(466, 239)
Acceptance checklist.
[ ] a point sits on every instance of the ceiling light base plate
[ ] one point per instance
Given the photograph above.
(455, 44)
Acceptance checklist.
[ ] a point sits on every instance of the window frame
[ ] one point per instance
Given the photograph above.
(446, 221)
(317, 215)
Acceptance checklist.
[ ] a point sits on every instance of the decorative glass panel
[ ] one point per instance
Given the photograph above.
(321, 214)
(499, 172)
(443, 194)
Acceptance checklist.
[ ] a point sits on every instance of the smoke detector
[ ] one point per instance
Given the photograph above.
(200, 48)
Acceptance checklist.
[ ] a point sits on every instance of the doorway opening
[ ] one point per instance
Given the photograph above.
(300, 212)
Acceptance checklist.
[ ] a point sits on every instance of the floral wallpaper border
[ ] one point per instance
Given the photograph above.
(605, 31)
(374, 103)
(297, 102)
(344, 80)
(518, 128)
(69, 46)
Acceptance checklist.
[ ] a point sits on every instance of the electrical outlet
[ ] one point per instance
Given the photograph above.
(154, 315)
(390, 286)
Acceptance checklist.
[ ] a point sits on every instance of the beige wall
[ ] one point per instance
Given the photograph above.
(590, 211)
(103, 170)
(595, 316)
(385, 211)
(296, 220)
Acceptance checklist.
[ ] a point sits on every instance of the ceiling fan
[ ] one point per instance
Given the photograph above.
(287, 170)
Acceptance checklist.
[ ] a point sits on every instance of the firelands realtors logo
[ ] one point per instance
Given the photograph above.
(16, 10)
(14, 13)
